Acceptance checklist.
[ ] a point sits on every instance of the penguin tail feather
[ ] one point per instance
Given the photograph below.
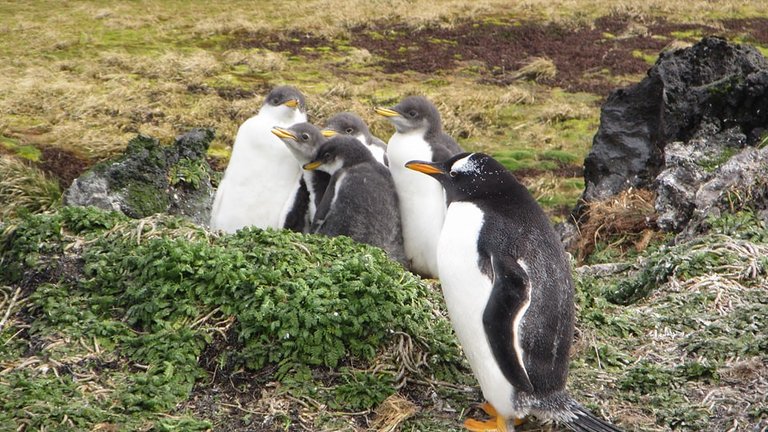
(585, 421)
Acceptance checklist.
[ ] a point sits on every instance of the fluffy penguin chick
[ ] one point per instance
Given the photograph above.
(303, 140)
(508, 288)
(262, 175)
(418, 135)
(360, 201)
(351, 124)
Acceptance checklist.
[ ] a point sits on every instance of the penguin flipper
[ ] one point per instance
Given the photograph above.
(324, 208)
(296, 219)
(508, 302)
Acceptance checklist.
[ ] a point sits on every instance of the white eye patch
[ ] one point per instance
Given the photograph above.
(465, 165)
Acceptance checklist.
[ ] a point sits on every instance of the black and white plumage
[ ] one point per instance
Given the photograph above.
(303, 140)
(360, 201)
(347, 123)
(262, 175)
(508, 288)
(418, 135)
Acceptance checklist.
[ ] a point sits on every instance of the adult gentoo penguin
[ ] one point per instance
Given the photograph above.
(262, 175)
(418, 135)
(303, 140)
(508, 288)
(351, 124)
(360, 201)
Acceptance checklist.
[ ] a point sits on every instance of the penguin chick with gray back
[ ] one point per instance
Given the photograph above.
(303, 140)
(262, 175)
(360, 201)
(508, 288)
(418, 135)
(351, 124)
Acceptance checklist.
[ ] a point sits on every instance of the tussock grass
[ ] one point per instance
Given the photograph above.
(25, 189)
(625, 221)
(536, 69)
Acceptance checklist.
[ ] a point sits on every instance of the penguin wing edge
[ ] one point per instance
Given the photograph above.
(508, 303)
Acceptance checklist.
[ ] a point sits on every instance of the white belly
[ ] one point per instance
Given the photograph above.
(261, 176)
(466, 292)
(377, 152)
(422, 201)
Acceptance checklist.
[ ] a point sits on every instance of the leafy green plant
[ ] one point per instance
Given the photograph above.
(146, 288)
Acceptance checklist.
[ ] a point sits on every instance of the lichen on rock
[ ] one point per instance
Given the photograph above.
(150, 178)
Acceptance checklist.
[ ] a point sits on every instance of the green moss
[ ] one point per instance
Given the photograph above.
(692, 35)
(24, 151)
(144, 200)
(713, 163)
(560, 156)
(649, 58)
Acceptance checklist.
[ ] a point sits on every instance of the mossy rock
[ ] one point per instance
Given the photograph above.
(150, 178)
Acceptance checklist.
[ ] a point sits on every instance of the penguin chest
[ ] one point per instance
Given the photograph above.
(259, 181)
(467, 290)
(422, 201)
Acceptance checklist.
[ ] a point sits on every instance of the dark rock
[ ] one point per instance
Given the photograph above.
(149, 178)
(690, 132)
(711, 86)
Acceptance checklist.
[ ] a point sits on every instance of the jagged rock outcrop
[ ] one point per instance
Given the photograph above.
(150, 178)
(692, 131)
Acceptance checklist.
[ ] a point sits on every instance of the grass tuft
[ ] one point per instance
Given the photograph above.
(25, 189)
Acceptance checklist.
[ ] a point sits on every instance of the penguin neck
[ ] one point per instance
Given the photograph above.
(281, 115)
(404, 147)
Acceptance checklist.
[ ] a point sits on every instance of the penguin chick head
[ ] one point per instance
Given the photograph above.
(412, 114)
(284, 101)
(346, 123)
(467, 176)
(302, 139)
(339, 152)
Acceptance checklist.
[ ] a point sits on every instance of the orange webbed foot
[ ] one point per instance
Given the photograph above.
(495, 424)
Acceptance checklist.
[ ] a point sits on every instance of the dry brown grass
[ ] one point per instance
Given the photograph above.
(536, 69)
(391, 413)
(623, 221)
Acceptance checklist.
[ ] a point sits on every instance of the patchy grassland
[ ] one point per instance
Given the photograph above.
(93, 338)
(83, 78)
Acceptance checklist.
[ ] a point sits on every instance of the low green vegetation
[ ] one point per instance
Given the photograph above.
(677, 322)
(132, 322)
(132, 305)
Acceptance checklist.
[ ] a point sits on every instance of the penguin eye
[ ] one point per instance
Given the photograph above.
(349, 131)
(453, 173)
(305, 136)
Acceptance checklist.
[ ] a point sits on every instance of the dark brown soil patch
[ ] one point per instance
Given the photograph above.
(754, 30)
(292, 42)
(62, 164)
(586, 58)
